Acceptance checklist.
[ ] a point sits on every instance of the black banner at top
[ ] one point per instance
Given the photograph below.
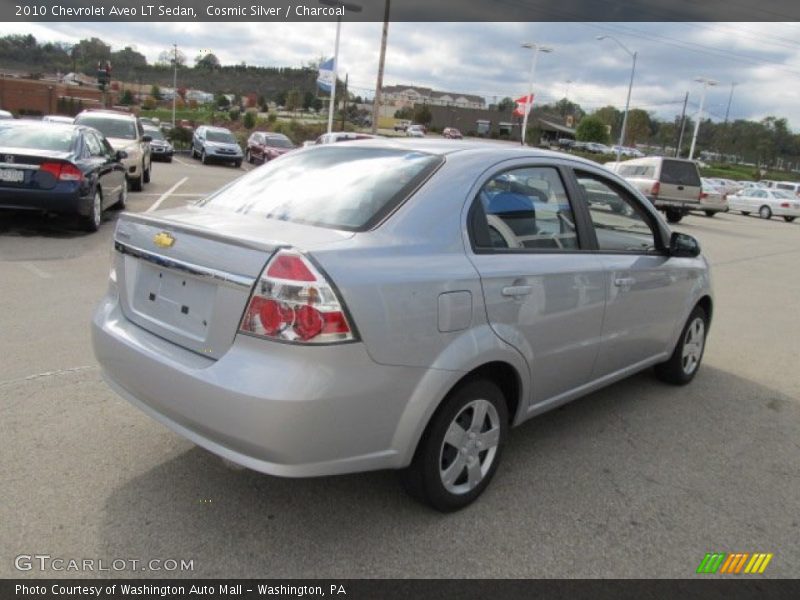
(400, 10)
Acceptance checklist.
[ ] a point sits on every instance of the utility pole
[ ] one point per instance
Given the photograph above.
(683, 126)
(344, 110)
(174, 81)
(730, 98)
(376, 100)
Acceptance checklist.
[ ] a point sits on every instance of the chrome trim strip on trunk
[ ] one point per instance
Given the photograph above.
(24, 166)
(221, 277)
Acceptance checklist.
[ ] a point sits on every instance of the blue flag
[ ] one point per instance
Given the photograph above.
(325, 77)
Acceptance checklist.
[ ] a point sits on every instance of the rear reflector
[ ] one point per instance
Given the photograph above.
(293, 302)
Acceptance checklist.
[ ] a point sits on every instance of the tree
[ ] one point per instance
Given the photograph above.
(422, 114)
(155, 92)
(506, 105)
(638, 128)
(128, 58)
(406, 113)
(249, 120)
(208, 62)
(221, 101)
(126, 99)
(293, 100)
(609, 115)
(592, 129)
(166, 57)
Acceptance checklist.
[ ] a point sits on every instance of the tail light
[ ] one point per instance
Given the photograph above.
(655, 189)
(62, 171)
(785, 205)
(293, 302)
(703, 195)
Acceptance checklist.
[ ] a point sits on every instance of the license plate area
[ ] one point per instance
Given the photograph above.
(174, 300)
(12, 175)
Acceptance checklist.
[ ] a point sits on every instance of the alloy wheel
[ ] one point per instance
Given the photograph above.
(693, 345)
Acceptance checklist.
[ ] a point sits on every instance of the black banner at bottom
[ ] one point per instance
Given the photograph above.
(390, 589)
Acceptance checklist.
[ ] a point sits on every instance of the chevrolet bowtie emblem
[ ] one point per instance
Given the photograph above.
(163, 240)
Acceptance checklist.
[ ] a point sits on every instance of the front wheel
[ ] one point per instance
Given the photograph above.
(682, 366)
(91, 222)
(788, 219)
(710, 213)
(765, 212)
(237, 164)
(674, 216)
(461, 447)
(203, 157)
(146, 172)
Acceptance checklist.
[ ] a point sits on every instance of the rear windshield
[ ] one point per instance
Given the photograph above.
(279, 142)
(54, 138)
(110, 127)
(786, 186)
(339, 187)
(220, 136)
(647, 172)
(679, 172)
(154, 133)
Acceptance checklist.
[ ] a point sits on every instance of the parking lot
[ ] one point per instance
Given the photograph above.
(637, 480)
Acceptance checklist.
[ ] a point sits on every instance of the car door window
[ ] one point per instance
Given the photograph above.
(94, 146)
(621, 225)
(524, 209)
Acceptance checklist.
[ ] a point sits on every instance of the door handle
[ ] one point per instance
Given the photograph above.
(514, 291)
(624, 281)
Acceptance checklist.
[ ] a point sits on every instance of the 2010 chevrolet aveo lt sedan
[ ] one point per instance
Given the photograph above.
(395, 305)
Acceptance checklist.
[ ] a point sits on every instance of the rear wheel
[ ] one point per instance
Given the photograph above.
(765, 212)
(461, 447)
(710, 213)
(674, 216)
(788, 219)
(122, 199)
(682, 366)
(746, 213)
(91, 222)
(146, 172)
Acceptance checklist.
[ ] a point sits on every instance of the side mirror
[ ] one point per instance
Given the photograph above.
(120, 154)
(147, 138)
(683, 246)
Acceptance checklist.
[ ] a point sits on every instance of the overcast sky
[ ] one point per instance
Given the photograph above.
(486, 58)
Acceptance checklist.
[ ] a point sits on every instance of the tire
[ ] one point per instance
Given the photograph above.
(445, 476)
(122, 199)
(710, 213)
(674, 216)
(203, 157)
(237, 164)
(136, 184)
(248, 157)
(746, 213)
(684, 363)
(169, 159)
(788, 219)
(194, 153)
(91, 222)
(146, 172)
(765, 212)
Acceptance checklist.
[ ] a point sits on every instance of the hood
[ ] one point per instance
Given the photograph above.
(122, 143)
(231, 146)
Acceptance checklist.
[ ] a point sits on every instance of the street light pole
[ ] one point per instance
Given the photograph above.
(633, 55)
(174, 81)
(376, 99)
(351, 8)
(706, 84)
(730, 99)
(529, 99)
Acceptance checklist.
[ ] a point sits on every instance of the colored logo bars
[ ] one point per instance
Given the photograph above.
(734, 564)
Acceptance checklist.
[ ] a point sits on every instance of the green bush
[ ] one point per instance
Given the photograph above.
(249, 120)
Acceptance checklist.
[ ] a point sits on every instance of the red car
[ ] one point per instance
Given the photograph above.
(452, 133)
(263, 146)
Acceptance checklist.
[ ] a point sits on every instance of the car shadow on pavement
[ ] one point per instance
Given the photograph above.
(638, 479)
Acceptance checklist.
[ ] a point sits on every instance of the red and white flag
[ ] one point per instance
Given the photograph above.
(524, 105)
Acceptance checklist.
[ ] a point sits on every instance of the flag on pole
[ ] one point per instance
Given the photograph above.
(325, 76)
(524, 105)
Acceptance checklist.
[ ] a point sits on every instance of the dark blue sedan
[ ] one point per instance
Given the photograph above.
(59, 168)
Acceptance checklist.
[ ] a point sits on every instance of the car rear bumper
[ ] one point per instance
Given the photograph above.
(277, 408)
(54, 201)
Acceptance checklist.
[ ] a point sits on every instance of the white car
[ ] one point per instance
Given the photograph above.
(766, 203)
(713, 198)
(415, 131)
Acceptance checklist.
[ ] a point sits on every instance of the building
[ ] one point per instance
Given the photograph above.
(406, 96)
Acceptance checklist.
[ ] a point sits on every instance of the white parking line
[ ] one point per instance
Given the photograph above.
(184, 194)
(36, 270)
(185, 164)
(166, 195)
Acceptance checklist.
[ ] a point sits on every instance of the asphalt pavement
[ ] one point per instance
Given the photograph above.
(637, 480)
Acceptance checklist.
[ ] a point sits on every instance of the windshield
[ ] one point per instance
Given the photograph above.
(154, 133)
(223, 137)
(340, 187)
(110, 127)
(54, 138)
(279, 142)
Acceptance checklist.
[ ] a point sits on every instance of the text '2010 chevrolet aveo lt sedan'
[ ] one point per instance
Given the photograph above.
(396, 305)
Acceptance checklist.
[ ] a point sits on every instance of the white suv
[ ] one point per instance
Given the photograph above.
(123, 131)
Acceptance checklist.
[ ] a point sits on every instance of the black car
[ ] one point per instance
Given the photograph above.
(59, 168)
(160, 147)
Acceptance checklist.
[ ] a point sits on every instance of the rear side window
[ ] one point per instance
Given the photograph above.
(786, 186)
(645, 171)
(678, 172)
(339, 187)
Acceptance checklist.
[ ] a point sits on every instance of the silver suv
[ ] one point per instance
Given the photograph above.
(216, 144)
(124, 132)
(672, 184)
(404, 315)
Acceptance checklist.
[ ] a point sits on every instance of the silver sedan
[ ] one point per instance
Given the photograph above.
(396, 305)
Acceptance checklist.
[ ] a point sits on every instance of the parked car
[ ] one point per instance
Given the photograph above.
(766, 203)
(216, 144)
(124, 132)
(401, 125)
(60, 169)
(713, 199)
(394, 317)
(263, 146)
(672, 184)
(4, 114)
(596, 148)
(789, 186)
(160, 147)
(58, 119)
(415, 131)
(343, 136)
(452, 133)
(565, 143)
